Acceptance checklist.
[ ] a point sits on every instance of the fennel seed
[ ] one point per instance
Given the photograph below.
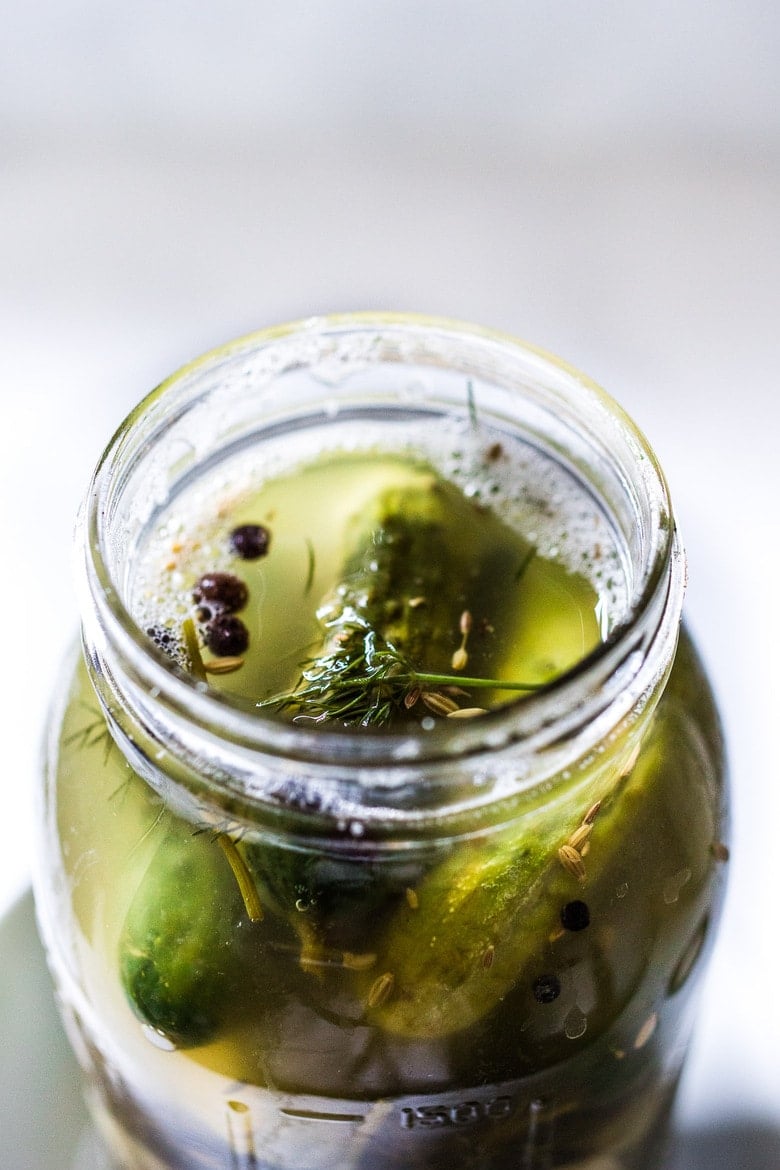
(580, 836)
(646, 1031)
(592, 813)
(223, 665)
(380, 989)
(571, 860)
(411, 697)
(437, 703)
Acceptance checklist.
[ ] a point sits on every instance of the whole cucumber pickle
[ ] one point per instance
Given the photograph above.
(180, 948)
(481, 919)
(486, 922)
(419, 556)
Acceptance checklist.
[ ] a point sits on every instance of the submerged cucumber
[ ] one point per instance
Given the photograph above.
(475, 921)
(180, 944)
(483, 918)
(424, 568)
(419, 555)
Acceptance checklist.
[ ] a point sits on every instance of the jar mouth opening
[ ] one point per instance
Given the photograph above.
(560, 709)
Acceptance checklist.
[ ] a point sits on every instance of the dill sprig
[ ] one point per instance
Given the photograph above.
(365, 681)
(93, 733)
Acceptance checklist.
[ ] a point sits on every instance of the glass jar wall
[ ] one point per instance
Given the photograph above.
(423, 869)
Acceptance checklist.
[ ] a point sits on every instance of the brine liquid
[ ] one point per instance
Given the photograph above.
(562, 583)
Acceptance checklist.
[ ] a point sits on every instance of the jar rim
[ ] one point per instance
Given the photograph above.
(585, 695)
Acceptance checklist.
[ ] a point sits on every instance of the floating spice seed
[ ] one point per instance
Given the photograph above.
(646, 1031)
(220, 592)
(467, 712)
(227, 636)
(439, 704)
(250, 541)
(460, 658)
(720, 851)
(575, 915)
(572, 861)
(411, 697)
(580, 836)
(592, 813)
(380, 989)
(411, 897)
(547, 988)
(222, 665)
(488, 957)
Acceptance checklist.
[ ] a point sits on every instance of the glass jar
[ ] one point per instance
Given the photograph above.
(472, 942)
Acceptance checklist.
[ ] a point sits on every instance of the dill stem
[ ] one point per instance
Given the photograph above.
(197, 668)
(413, 678)
(243, 878)
(449, 680)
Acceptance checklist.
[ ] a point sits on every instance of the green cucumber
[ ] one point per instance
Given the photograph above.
(483, 918)
(419, 555)
(179, 950)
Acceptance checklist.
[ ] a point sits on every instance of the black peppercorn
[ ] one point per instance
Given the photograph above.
(250, 541)
(547, 988)
(226, 635)
(575, 915)
(220, 593)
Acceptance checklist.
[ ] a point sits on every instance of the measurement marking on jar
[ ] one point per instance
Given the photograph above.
(456, 1114)
(539, 1138)
(313, 1115)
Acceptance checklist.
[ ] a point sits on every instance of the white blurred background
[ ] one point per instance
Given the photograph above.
(600, 178)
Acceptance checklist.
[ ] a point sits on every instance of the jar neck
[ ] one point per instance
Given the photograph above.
(285, 384)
